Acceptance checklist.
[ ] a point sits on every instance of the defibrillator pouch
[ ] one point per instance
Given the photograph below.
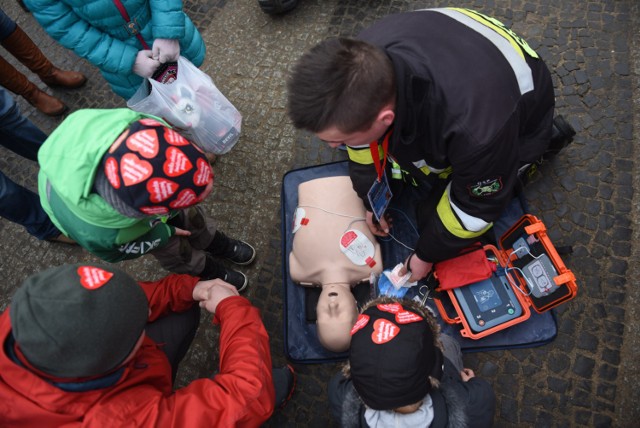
(528, 273)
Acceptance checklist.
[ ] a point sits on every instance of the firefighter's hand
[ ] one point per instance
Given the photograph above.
(418, 268)
(378, 228)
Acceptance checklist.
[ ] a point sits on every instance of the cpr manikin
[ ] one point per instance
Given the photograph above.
(333, 249)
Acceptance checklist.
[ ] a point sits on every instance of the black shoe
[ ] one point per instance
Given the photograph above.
(277, 6)
(242, 253)
(235, 278)
(561, 136)
(234, 250)
(284, 382)
(214, 269)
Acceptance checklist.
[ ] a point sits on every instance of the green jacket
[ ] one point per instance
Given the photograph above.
(68, 161)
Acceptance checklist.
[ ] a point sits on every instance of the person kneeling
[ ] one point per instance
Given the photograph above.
(85, 344)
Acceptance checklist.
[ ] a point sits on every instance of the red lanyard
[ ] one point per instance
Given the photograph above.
(375, 154)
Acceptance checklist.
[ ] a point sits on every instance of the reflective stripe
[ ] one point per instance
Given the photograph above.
(396, 171)
(518, 43)
(507, 45)
(362, 154)
(421, 164)
(467, 227)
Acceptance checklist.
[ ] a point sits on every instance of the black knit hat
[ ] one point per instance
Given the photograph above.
(78, 320)
(152, 169)
(393, 352)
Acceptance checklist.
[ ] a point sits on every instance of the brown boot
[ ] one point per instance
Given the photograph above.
(23, 48)
(18, 83)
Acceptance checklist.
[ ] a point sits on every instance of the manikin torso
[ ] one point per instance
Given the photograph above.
(333, 249)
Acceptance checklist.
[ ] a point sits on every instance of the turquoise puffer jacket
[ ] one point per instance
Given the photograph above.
(95, 30)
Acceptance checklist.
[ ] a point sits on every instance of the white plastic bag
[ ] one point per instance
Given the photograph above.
(192, 104)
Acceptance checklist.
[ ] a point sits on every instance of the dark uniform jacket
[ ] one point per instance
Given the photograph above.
(474, 103)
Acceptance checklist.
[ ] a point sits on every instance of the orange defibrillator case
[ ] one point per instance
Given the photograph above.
(491, 288)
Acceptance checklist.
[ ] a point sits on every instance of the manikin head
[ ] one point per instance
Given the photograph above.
(337, 312)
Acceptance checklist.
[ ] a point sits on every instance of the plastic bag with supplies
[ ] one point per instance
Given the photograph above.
(191, 103)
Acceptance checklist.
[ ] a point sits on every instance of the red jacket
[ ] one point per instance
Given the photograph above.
(240, 395)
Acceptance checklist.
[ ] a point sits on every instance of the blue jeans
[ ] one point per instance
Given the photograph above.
(18, 204)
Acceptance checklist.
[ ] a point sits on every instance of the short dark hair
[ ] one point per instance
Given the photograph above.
(340, 82)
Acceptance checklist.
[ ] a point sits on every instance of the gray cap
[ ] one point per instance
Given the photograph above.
(78, 320)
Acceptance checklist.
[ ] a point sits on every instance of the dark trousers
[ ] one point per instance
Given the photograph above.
(174, 333)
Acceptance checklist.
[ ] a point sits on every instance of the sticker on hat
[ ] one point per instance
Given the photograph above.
(362, 321)
(174, 138)
(357, 247)
(186, 198)
(150, 122)
(92, 277)
(154, 210)
(134, 170)
(111, 171)
(203, 173)
(177, 162)
(406, 317)
(161, 189)
(144, 142)
(384, 331)
(392, 308)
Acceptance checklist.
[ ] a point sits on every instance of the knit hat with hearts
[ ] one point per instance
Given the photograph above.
(151, 170)
(78, 320)
(393, 352)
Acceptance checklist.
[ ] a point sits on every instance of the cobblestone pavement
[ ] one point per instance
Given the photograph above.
(587, 375)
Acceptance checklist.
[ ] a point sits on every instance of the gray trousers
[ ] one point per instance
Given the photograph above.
(185, 254)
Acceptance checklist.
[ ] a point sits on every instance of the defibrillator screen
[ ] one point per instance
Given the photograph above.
(488, 303)
(486, 296)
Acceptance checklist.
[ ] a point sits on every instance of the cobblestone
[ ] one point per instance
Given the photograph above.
(587, 196)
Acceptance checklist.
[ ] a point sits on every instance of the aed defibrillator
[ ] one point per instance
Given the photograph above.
(491, 288)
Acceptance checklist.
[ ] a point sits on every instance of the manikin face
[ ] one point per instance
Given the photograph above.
(337, 312)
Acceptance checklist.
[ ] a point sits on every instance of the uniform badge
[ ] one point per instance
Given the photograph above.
(486, 187)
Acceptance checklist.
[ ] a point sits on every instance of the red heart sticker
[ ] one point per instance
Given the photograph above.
(174, 138)
(203, 173)
(348, 238)
(134, 170)
(186, 198)
(393, 308)
(161, 189)
(155, 210)
(384, 331)
(150, 122)
(119, 140)
(177, 162)
(144, 142)
(363, 320)
(406, 317)
(92, 277)
(111, 170)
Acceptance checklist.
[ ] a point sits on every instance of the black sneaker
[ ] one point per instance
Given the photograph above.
(284, 382)
(235, 278)
(214, 269)
(242, 253)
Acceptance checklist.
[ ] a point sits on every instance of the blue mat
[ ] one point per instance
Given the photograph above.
(300, 336)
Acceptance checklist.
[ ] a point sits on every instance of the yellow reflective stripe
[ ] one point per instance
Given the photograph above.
(516, 41)
(445, 210)
(425, 170)
(362, 155)
(446, 173)
(396, 171)
(514, 57)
